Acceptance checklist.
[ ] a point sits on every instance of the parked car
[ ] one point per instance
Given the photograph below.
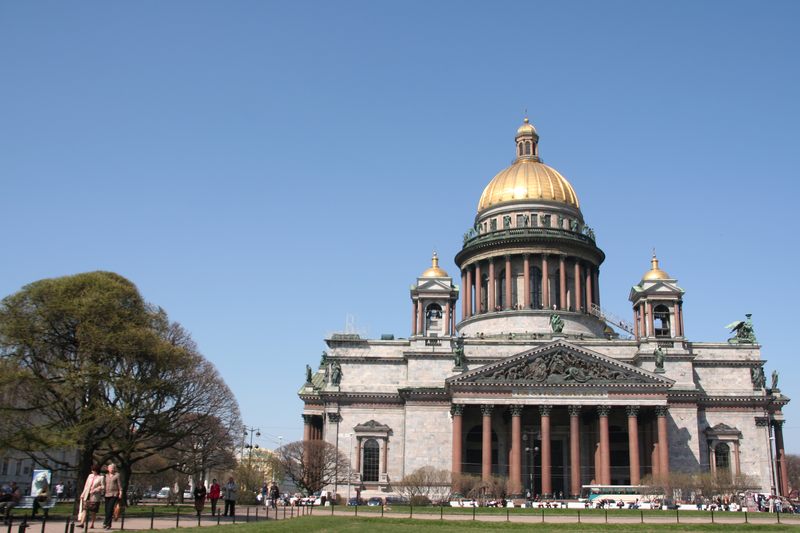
(375, 502)
(352, 502)
(163, 494)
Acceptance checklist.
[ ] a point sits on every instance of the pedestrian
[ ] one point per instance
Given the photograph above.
(229, 494)
(264, 494)
(60, 491)
(10, 501)
(213, 495)
(274, 494)
(113, 493)
(199, 497)
(68, 490)
(92, 494)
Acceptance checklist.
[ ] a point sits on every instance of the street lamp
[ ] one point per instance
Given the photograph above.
(349, 465)
(533, 449)
(251, 431)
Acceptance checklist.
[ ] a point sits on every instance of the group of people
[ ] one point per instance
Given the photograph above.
(269, 495)
(214, 493)
(100, 489)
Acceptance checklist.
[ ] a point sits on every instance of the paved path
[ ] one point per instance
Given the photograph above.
(186, 520)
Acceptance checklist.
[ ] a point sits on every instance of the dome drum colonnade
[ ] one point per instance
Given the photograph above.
(529, 249)
(653, 432)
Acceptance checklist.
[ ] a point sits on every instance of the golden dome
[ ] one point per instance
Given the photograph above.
(526, 128)
(654, 273)
(434, 271)
(528, 179)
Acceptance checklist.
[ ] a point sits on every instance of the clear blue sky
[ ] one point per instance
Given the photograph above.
(263, 169)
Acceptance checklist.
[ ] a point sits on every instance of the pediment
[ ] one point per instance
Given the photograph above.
(434, 284)
(560, 364)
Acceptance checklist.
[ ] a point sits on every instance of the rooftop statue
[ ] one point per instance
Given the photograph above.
(659, 355)
(458, 352)
(308, 374)
(556, 323)
(336, 373)
(757, 377)
(324, 358)
(743, 331)
(774, 380)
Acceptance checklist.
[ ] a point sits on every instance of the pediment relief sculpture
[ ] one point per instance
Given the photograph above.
(561, 367)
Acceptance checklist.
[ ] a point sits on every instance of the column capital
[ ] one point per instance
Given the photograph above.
(661, 410)
(456, 409)
(486, 409)
(544, 410)
(632, 410)
(307, 419)
(516, 410)
(334, 417)
(603, 410)
(777, 424)
(574, 410)
(762, 421)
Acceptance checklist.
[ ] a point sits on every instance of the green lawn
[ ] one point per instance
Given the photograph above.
(368, 525)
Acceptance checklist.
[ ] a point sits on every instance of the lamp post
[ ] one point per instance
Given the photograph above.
(280, 443)
(251, 431)
(533, 449)
(349, 465)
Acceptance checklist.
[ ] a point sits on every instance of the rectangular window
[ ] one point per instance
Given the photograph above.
(5, 466)
(19, 467)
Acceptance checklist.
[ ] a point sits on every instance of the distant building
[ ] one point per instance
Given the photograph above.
(528, 380)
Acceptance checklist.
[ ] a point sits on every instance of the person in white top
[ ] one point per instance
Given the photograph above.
(93, 493)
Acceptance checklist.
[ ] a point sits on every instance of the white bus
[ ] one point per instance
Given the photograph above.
(627, 493)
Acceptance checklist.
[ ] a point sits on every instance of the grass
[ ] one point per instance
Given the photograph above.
(329, 524)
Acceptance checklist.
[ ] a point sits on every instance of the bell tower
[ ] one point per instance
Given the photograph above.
(433, 302)
(657, 306)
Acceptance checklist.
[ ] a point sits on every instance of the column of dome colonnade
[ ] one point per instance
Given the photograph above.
(582, 418)
(544, 276)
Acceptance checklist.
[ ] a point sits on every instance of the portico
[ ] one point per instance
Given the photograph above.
(557, 417)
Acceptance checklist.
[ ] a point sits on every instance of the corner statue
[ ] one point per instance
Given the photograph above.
(774, 380)
(556, 323)
(743, 331)
(308, 374)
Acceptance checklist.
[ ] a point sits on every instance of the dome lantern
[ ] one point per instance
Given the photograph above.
(527, 141)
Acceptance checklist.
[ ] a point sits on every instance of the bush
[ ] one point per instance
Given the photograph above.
(420, 500)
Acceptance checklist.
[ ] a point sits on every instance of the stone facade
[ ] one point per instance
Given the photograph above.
(528, 379)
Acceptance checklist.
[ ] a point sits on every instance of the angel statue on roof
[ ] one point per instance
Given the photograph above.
(742, 331)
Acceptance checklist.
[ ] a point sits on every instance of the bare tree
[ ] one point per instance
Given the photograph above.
(311, 464)
(425, 485)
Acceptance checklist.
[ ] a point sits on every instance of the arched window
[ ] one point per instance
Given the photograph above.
(722, 458)
(433, 318)
(520, 148)
(371, 464)
(536, 287)
(661, 320)
(528, 148)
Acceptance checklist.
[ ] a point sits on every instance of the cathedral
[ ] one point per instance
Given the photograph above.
(530, 379)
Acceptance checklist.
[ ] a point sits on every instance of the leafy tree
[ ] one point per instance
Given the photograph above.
(89, 365)
(311, 464)
(793, 470)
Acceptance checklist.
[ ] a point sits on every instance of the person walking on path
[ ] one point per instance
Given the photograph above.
(199, 497)
(213, 495)
(229, 494)
(274, 494)
(113, 494)
(92, 494)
